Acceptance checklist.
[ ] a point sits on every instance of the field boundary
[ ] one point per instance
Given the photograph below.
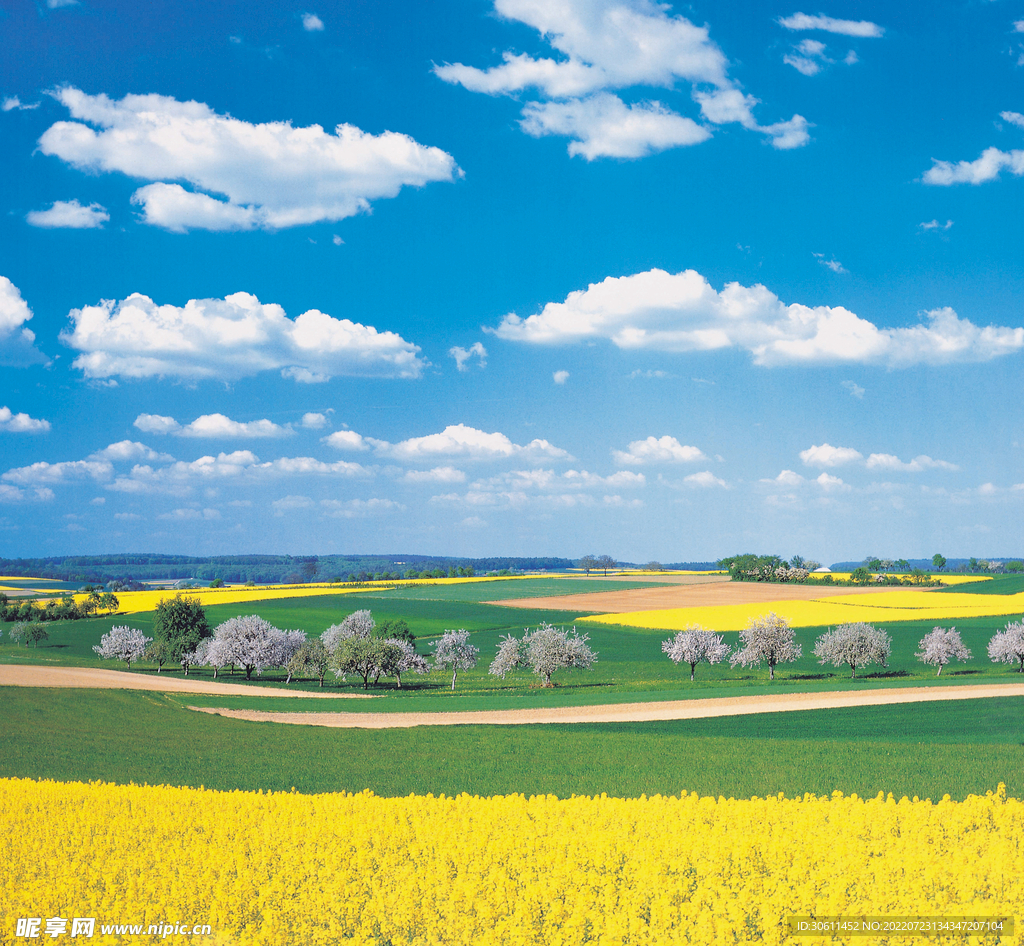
(629, 712)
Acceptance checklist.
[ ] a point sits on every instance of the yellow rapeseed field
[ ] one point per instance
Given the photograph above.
(283, 868)
(896, 605)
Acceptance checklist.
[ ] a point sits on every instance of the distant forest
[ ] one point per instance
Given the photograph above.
(268, 569)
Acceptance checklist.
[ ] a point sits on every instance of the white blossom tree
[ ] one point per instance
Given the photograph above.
(940, 647)
(197, 657)
(357, 624)
(767, 638)
(19, 631)
(694, 645)
(1008, 645)
(454, 652)
(544, 651)
(853, 645)
(123, 643)
(249, 641)
(285, 646)
(399, 656)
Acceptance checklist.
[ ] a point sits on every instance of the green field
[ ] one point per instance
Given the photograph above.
(928, 749)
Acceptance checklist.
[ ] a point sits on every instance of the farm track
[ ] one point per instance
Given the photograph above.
(21, 675)
(631, 712)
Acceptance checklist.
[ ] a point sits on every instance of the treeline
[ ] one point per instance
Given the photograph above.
(260, 569)
(61, 608)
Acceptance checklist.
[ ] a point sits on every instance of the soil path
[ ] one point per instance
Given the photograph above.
(696, 595)
(23, 675)
(632, 712)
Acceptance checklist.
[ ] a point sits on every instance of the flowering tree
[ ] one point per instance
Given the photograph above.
(311, 657)
(250, 642)
(19, 630)
(940, 647)
(122, 643)
(1008, 645)
(197, 657)
(357, 624)
(399, 656)
(285, 644)
(159, 652)
(544, 651)
(454, 652)
(696, 644)
(854, 645)
(768, 638)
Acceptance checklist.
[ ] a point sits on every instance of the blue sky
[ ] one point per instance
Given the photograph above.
(517, 277)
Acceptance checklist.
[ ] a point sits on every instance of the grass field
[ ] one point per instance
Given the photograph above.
(122, 736)
(84, 733)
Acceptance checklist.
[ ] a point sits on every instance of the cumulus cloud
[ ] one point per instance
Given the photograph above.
(456, 440)
(41, 473)
(860, 28)
(439, 474)
(272, 174)
(605, 45)
(544, 488)
(887, 461)
(705, 480)
(832, 483)
(828, 456)
(787, 478)
(290, 504)
(935, 225)
(985, 168)
(462, 355)
(17, 343)
(21, 423)
(190, 515)
(12, 494)
(808, 57)
(560, 377)
(855, 389)
(69, 214)
(217, 425)
(311, 23)
(681, 312)
(657, 450)
(129, 450)
(314, 421)
(603, 126)
(156, 424)
(832, 263)
(230, 338)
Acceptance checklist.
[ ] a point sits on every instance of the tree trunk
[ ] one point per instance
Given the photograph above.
(771, 671)
(455, 673)
(321, 681)
(940, 670)
(398, 677)
(289, 680)
(693, 670)
(248, 673)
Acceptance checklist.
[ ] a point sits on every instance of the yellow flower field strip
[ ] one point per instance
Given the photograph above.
(891, 606)
(135, 602)
(283, 868)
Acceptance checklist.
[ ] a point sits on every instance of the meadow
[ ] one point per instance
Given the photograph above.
(719, 882)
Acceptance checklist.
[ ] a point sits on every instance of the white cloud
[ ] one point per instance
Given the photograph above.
(788, 478)
(616, 44)
(358, 508)
(935, 225)
(560, 377)
(439, 474)
(21, 423)
(887, 461)
(12, 103)
(125, 450)
(190, 515)
(832, 483)
(462, 355)
(657, 450)
(69, 214)
(473, 522)
(682, 312)
(127, 516)
(230, 338)
(348, 440)
(826, 455)
(808, 57)
(311, 23)
(314, 421)
(290, 504)
(1014, 118)
(458, 440)
(983, 169)
(1018, 26)
(855, 389)
(705, 480)
(47, 473)
(832, 263)
(60, 4)
(17, 343)
(217, 425)
(156, 424)
(861, 28)
(11, 494)
(603, 126)
(273, 175)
